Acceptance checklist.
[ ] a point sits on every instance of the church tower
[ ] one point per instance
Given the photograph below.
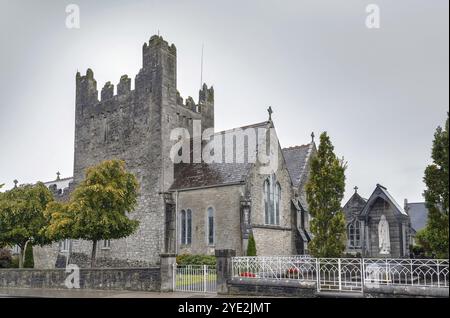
(135, 126)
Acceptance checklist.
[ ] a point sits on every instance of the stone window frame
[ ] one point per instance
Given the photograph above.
(106, 245)
(272, 200)
(208, 226)
(186, 226)
(64, 245)
(15, 250)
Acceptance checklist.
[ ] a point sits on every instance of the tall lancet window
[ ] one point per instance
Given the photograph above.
(354, 234)
(186, 227)
(210, 223)
(272, 200)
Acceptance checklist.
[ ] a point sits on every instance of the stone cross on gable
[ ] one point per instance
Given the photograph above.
(58, 174)
(356, 189)
(270, 111)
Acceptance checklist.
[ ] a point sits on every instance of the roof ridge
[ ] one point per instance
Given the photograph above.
(56, 180)
(295, 147)
(241, 127)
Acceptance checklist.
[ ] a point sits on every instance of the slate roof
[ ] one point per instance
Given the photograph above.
(391, 198)
(381, 191)
(418, 214)
(201, 175)
(296, 158)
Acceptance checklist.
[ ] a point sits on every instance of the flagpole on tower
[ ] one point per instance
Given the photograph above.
(201, 69)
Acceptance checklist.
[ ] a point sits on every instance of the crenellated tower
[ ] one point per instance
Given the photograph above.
(135, 126)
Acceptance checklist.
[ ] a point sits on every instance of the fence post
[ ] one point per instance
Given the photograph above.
(279, 267)
(387, 274)
(412, 273)
(205, 277)
(224, 269)
(339, 273)
(363, 274)
(168, 272)
(438, 273)
(318, 274)
(174, 275)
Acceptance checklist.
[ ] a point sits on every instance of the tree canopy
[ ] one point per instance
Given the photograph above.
(436, 195)
(98, 207)
(324, 193)
(22, 217)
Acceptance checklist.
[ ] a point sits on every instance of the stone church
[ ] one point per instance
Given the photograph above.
(183, 207)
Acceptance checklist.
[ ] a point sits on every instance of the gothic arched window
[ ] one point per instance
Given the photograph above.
(354, 234)
(272, 200)
(186, 226)
(210, 224)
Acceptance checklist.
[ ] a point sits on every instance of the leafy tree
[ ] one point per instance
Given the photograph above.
(436, 195)
(324, 193)
(422, 245)
(29, 260)
(98, 207)
(5, 258)
(251, 247)
(22, 216)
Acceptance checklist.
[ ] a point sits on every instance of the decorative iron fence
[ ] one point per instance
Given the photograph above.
(275, 267)
(414, 272)
(344, 274)
(195, 278)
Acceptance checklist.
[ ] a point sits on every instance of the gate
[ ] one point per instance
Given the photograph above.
(195, 278)
(340, 274)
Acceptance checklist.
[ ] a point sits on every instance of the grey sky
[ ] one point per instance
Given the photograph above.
(379, 93)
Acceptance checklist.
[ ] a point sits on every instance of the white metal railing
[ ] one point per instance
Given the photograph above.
(343, 274)
(275, 267)
(414, 272)
(195, 278)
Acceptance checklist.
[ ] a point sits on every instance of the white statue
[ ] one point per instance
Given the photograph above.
(384, 242)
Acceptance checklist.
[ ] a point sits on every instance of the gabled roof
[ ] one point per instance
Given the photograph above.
(296, 160)
(381, 192)
(202, 175)
(356, 198)
(418, 213)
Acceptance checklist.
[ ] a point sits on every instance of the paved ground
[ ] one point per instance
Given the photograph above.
(86, 293)
(79, 293)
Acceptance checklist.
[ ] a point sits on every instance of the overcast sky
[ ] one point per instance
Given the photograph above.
(379, 93)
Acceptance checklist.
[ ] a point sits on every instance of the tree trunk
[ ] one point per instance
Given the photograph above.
(23, 253)
(21, 256)
(94, 253)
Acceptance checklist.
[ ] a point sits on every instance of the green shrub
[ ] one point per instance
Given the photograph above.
(15, 262)
(29, 260)
(251, 248)
(189, 259)
(5, 258)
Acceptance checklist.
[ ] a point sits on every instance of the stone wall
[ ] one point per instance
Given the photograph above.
(226, 203)
(139, 279)
(252, 287)
(383, 291)
(272, 239)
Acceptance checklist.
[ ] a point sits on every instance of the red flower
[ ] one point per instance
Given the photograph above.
(247, 274)
(293, 270)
